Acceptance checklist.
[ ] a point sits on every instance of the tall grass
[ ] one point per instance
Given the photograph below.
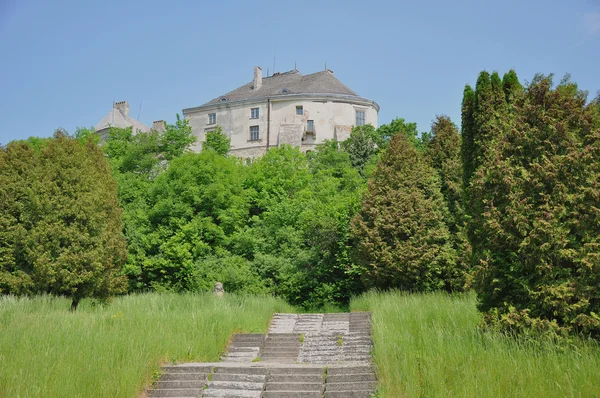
(428, 345)
(114, 350)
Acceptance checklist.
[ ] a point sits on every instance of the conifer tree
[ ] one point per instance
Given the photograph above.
(511, 87)
(68, 239)
(536, 238)
(401, 238)
(467, 134)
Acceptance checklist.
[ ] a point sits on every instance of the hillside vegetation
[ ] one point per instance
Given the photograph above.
(429, 345)
(114, 350)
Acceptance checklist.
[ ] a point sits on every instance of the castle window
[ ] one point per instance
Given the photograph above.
(310, 126)
(223, 99)
(299, 110)
(284, 91)
(360, 118)
(254, 133)
(253, 113)
(212, 118)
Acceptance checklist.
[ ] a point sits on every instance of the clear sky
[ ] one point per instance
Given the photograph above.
(62, 63)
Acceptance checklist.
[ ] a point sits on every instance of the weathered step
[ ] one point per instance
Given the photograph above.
(288, 386)
(245, 344)
(349, 370)
(297, 371)
(296, 378)
(177, 392)
(231, 394)
(235, 385)
(241, 370)
(347, 378)
(239, 377)
(161, 385)
(349, 394)
(292, 394)
(186, 369)
(183, 376)
(354, 386)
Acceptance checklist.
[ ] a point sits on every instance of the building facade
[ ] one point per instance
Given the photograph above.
(286, 108)
(118, 117)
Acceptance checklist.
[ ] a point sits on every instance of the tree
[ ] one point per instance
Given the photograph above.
(361, 146)
(536, 237)
(385, 132)
(511, 87)
(217, 141)
(468, 135)
(401, 238)
(64, 230)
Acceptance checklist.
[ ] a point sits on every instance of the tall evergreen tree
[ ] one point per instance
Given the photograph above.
(401, 238)
(536, 238)
(468, 134)
(511, 87)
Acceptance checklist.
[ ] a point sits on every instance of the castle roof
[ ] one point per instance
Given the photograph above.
(286, 83)
(119, 117)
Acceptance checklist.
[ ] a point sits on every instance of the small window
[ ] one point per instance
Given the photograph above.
(360, 118)
(223, 99)
(299, 110)
(212, 118)
(284, 91)
(253, 113)
(254, 133)
(310, 126)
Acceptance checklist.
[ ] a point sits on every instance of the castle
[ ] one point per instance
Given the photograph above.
(285, 108)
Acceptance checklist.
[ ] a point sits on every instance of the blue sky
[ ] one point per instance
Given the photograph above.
(64, 62)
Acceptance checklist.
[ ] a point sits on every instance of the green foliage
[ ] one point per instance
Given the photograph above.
(400, 235)
(535, 229)
(468, 135)
(61, 223)
(362, 146)
(385, 132)
(511, 86)
(443, 152)
(217, 141)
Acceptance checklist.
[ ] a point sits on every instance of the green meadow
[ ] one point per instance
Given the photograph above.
(115, 350)
(429, 345)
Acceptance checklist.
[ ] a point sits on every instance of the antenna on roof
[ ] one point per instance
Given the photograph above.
(325, 65)
(295, 66)
(274, 53)
(267, 72)
(140, 110)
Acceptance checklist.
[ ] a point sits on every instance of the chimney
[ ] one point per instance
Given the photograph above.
(123, 107)
(257, 77)
(159, 126)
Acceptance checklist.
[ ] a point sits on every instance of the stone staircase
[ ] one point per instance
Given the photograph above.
(301, 356)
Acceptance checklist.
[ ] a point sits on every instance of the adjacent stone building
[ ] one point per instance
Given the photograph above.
(118, 117)
(285, 108)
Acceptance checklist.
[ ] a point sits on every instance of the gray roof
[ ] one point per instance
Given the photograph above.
(293, 81)
(115, 118)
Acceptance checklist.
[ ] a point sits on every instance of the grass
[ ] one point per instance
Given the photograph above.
(429, 345)
(115, 350)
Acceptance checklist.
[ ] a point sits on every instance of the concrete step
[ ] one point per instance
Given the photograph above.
(239, 377)
(349, 370)
(291, 394)
(162, 385)
(349, 394)
(348, 378)
(186, 369)
(296, 378)
(246, 344)
(288, 386)
(297, 371)
(220, 393)
(241, 370)
(354, 386)
(235, 385)
(177, 392)
(183, 376)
